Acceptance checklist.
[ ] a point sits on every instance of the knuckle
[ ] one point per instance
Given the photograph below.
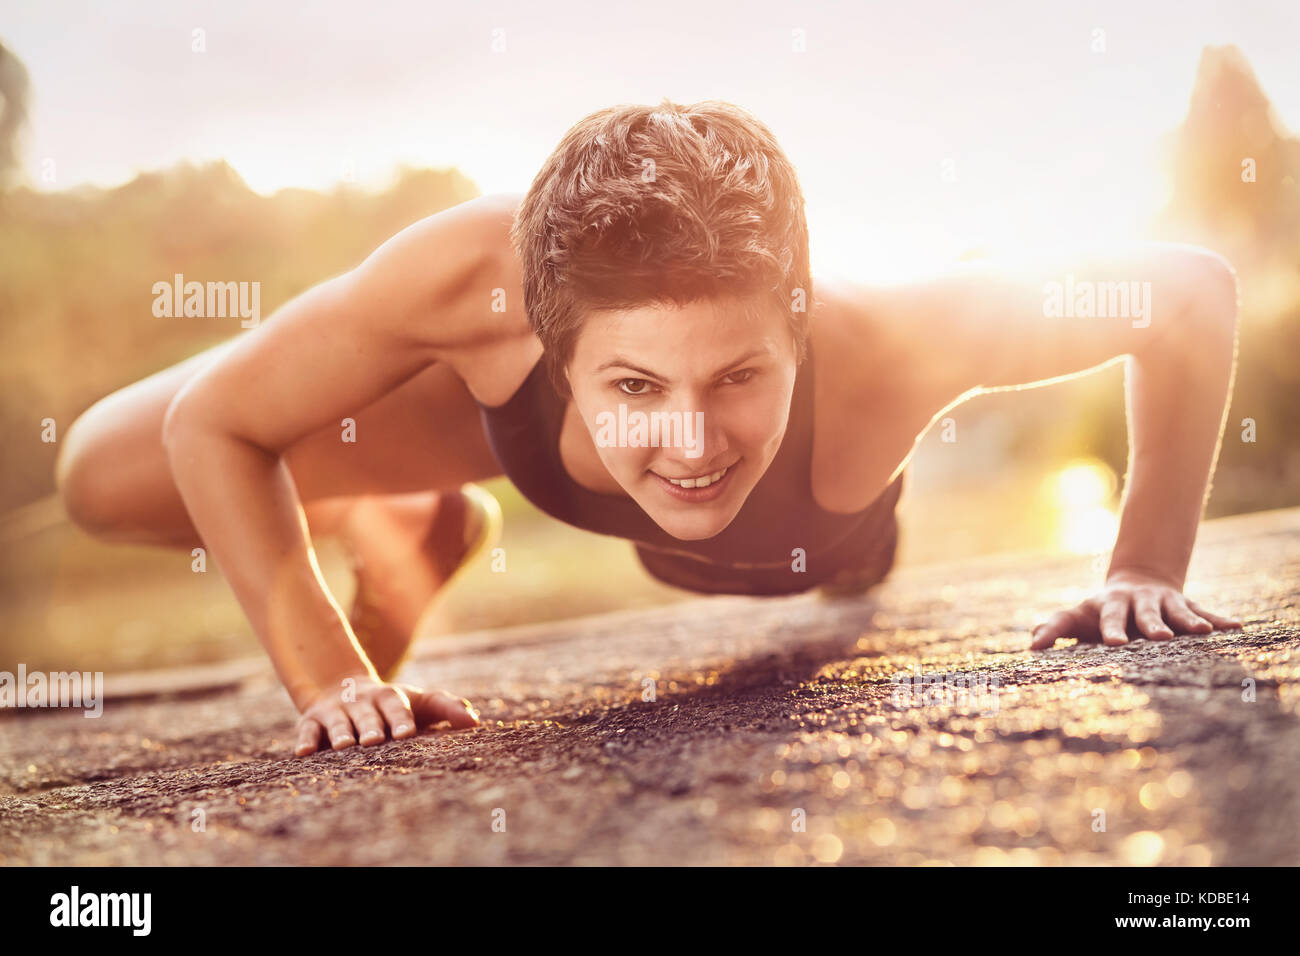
(399, 712)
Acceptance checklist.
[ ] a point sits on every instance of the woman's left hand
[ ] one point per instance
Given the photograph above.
(1158, 609)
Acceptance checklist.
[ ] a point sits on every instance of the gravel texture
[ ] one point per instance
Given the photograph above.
(731, 731)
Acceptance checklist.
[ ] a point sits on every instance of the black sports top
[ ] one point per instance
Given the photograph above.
(755, 554)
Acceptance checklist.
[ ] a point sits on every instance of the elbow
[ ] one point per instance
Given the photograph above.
(194, 425)
(181, 422)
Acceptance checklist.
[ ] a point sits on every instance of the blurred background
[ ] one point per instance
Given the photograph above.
(229, 141)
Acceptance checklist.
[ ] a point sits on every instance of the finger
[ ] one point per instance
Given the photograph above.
(1113, 622)
(436, 706)
(1183, 618)
(339, 728)
(396, 709)
(370, 726)
(1056, 627)
(1218, 620)
(1045, 635)
(1146, 613)
(308, 737)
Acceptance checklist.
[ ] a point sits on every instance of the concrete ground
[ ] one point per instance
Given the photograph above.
(731, 731)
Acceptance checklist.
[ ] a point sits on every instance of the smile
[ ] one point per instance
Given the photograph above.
(699, 489)
(703, 481)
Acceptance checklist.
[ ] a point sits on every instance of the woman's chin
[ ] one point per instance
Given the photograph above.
(685, 519)
(693, 525)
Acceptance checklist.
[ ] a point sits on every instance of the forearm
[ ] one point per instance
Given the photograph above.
(242, 501)
(1177, 397)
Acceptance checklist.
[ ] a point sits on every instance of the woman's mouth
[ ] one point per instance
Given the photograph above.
(696, 488)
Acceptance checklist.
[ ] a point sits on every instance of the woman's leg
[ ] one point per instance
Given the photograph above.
(392, 496)
(116, 483)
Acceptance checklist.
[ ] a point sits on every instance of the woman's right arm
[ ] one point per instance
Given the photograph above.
(323, 356)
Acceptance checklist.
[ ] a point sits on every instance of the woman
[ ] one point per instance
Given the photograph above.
(657, 269)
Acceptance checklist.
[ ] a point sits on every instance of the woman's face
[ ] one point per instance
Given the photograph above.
(680, 397)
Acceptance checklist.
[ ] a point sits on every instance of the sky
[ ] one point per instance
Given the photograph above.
(920, 130)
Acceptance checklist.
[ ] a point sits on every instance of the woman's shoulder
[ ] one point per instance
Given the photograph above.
(880, 340)
(857, 340)
(870, 401)
(450, 284)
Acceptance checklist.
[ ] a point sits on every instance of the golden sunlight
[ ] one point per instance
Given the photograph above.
(1081, 493)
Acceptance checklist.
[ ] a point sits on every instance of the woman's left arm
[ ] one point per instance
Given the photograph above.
(1177, 399)
(1172, 311)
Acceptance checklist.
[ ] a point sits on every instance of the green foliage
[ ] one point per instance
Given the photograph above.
(77, 271)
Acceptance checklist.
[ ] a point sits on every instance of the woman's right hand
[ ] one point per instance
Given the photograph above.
(364, 709)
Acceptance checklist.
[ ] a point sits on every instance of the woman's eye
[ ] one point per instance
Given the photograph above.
(634, 386)
(739, 378)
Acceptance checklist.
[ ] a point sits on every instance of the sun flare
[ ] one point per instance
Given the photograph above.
(1081, 493)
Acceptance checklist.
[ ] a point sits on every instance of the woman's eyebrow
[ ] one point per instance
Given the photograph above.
(619, 362)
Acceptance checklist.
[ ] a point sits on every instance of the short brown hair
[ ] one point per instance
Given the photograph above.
(664, 205)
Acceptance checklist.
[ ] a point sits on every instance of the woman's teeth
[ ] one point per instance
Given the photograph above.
(703, 482)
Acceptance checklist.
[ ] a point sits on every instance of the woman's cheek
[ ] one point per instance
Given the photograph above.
(761, 425)
(627, 462)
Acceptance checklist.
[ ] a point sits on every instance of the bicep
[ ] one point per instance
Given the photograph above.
(1001, 325)
(344, 343)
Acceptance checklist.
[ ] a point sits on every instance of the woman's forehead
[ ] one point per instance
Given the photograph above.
(697, 324)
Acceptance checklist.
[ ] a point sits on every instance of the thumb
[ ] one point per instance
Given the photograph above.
(1058, 626)
(435, 706)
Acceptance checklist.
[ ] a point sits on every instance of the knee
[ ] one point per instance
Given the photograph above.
(82, 474)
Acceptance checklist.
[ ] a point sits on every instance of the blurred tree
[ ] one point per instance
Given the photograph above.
(1235, 172)
(1234, 168)
(77, 270)
(13, 112)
